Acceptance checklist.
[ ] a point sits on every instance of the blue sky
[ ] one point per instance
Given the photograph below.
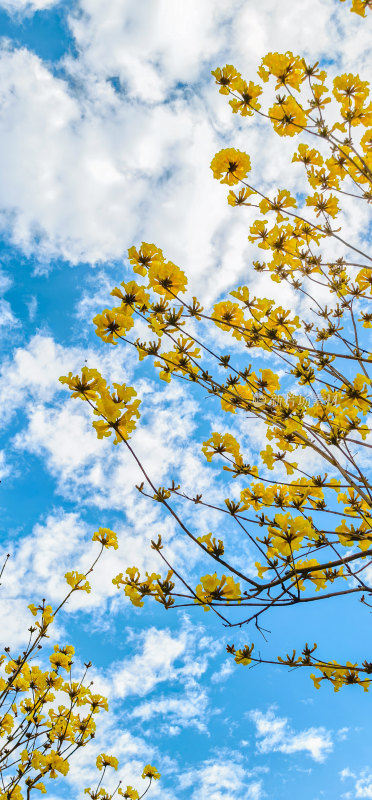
(109, 121)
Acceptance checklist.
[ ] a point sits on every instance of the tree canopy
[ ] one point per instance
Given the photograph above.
(310, 533)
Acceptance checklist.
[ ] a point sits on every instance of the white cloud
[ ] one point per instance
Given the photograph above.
(189, 710)
(362, 783)
(4, 468)
(166, 43)
(66, 185)
(26, 7)
(223, 673)
(173, 659)
(346, 773)
(5, 282)
(33, 372)
(274, 734)
(32, 305)
(164, 656)
(222, 779)
(7, 318)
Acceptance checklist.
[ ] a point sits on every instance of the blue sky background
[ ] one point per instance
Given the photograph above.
(109, 121)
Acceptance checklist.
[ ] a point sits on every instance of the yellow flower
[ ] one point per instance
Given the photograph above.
(123, 428)
(213, 589)
(260, 569)
(282, 201)
(129, 793)
(211, 544)
(268, 456)
(12, 794)
(133, 574)
(288, 117)
(327, 205)
(226, 78)
(97, 701)
(289, 533)
(249, 92)
(318, 101)
(167, 278)
(221, 443)
(6, 724)
(364, 280)
(46, 616)
(230, 166)
(106, 537)
(287, 68)
(239, 199)
(366, 141)
(269, 381)
(110, 405)
(62, 657)
(150, 772)
(243, 656)
(74, 580)
(52, 763)
(360, 7)
(141, 259)
(238, 395)
(112, 323)
(134, 595)
(348, 86)
(87, 386)
(308, 156)
(227, 315)
(257, 496)
(133, 294)
(119, 413)
(358, 113)
(104, 760)
(259, 233)
(316, 678)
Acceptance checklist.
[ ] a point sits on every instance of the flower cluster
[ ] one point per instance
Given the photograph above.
(136, 588)
(337, 675)
(100, 793)
(360, 6)
(45, 714)
(117, 408)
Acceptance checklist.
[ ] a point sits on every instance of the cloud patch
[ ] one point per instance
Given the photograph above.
(274, 734)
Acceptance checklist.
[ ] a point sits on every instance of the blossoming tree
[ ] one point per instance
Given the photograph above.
(45, 715)
(311, 533)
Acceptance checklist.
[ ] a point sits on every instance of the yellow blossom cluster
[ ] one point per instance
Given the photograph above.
(230, 166)
(46, 715)
(117, 408)
(99, 793)
(337, 675)
(37, 733)
(212, 589)
(152, 585)
(360, 6)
